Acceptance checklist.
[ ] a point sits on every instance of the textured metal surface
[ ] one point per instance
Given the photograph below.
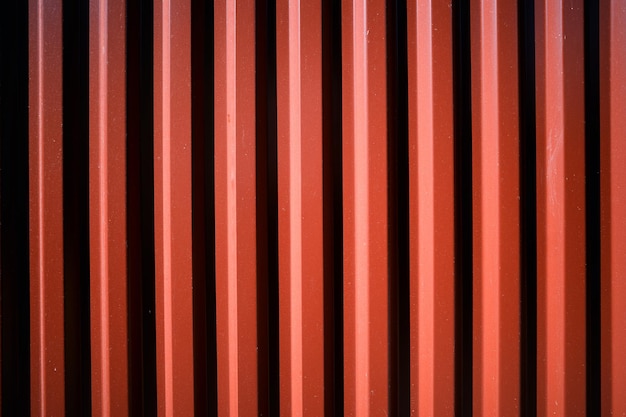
(496, 207)
(235, 208)
(107, 177)
(364, 75)
(47, 364)
(431, 179)
(399, 198)
(172, 206)
(300, 202)
(561, 383)
(613, 203)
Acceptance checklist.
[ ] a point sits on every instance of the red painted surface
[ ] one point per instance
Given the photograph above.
(561, 345)
(47, 361)
(366, 360)
(613, 204)
(496, 208)
(431, 192)
(305, 375)
(172, 206)
(235, 208)
(300, 212)
(107, 202)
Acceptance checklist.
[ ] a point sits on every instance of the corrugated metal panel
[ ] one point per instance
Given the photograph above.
(107, 199)
(301, 210)
(561, 275)
(496, 206)
(279, 207)
(47, 356)
(431, 193)
(365, 215)
(237, 274)
(613, 203)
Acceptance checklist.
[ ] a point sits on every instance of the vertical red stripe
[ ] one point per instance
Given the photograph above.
(235, 208)
(46, 208)
(365, 207)
(561, 373)
(431, 221)
(107, 201)
(301, 261)
(496, 208)
(613, 204)
(172, 208)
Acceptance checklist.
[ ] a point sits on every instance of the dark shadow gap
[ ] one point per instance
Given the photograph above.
(528, 206)
(332, 195)
(528, 214)
(398, 221)
(76, 207)
(333, 185)
(14, 209)
(463, 206)
(140, 210)
(267, 209)
(592, 203)
(203, 211)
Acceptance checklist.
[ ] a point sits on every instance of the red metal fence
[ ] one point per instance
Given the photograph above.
(286, 207)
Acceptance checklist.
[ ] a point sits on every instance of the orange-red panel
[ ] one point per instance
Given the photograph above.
(613, 204)
(46, 208)
(366, 290)
(300, 212)
(431, 221)
(561, 336)
(107, 202)
(172, 206)
(496, 208)
(235, 208)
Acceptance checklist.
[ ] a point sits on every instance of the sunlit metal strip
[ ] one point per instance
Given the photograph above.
(235, 208)
(431, 221)
(47, 361)
(172, 206)
(613, 204)
(300, 213)
(496, 208)
(366, 290)
(561, 336)
(107, 202)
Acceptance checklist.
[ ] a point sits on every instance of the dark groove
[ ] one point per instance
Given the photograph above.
(14, 226)
(528, 205)
(267, 209)
(592, 190)
(140, 214)
(76, 207)
(393, 159)
(332, 220)
(333, 170)
(463, 206)
(398, 160)
(203, 197)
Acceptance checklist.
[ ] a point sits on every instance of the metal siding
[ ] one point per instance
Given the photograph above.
(172, 206)
(496, 207)
(235, 208)
(107, 174)
(281, 337)
(561, 383)
(46, 209)
(431, 191)
(300, 196)
(613, 177)
(366, 276)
